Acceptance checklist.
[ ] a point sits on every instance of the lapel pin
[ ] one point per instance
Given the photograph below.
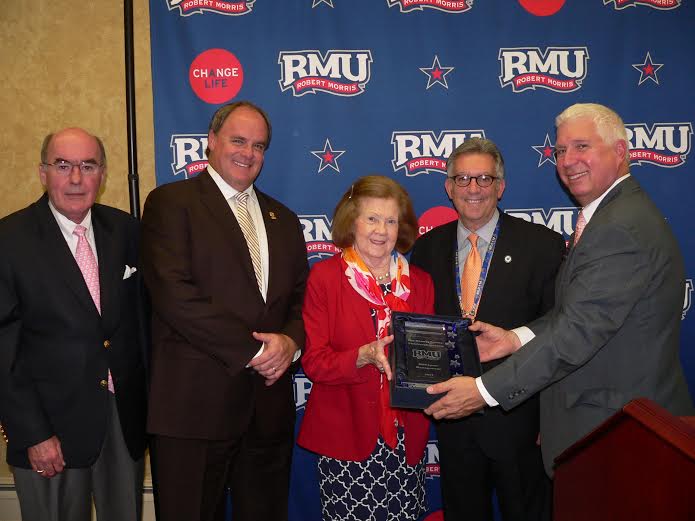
(272, 215)
(507, 259)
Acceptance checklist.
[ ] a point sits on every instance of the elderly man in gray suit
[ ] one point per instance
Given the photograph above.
(613, 334)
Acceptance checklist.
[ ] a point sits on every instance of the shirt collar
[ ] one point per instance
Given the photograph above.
(484, 232)
(228, 192)
(66, 225)
(590, 208)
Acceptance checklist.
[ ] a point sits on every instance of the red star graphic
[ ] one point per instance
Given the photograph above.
(648, 70)
(547, 152)
(328, 157)
(437, 74)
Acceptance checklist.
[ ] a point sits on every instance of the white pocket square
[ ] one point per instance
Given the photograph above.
(129, 271)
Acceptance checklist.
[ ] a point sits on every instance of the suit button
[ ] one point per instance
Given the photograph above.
(107, 344)
(104, 383)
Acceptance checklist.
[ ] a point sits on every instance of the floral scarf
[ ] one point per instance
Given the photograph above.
(364, 283)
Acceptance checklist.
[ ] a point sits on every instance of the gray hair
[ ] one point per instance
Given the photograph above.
(477, 145)
(608, 124)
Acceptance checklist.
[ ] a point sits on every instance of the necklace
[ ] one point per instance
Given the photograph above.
(381, 278)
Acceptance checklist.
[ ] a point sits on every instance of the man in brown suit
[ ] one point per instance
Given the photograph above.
(226, 267)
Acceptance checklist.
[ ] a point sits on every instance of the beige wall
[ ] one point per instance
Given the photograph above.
(63, 65)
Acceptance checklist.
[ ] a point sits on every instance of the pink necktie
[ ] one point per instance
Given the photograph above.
(579, 227)
(90, 271)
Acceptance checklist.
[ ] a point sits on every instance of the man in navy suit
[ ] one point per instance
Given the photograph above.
(494, 450)
(72, 372)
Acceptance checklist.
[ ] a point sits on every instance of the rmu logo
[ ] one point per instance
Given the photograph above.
(317, 236)
(423, 152)
(189, 7)
(560, 220)
(687, 301)
(662, 144)
(302, 388)
(656, 4)
(432, 469)
(561, 69)
(449, 6)
(427, 354)
(188, 151)
(342, 73)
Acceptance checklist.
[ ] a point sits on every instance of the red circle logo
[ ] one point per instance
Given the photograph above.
(434, 217)
(216, 76)
(542, 7)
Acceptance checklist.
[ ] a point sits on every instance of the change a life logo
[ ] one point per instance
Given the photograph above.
(216, 76)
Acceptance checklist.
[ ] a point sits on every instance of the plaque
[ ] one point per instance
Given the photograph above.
(428, 349)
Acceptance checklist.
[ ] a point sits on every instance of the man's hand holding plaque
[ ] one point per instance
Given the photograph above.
(461, 398)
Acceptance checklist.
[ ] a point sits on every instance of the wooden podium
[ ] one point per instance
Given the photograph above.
(638, 465)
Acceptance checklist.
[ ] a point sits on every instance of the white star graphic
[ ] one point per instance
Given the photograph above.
(328, 156)
(436, 73)
(647, 69)
(329, 3)
(546, 151)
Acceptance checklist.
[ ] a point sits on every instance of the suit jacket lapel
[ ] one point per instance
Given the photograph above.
(59, 257)
(109, 251)
(273, 232)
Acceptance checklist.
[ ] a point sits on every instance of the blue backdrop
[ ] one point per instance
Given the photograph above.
(355, 87)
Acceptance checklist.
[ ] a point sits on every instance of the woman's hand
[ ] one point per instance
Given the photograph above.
(373, 353)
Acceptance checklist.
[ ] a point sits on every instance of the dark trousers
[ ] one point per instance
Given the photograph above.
(192, 475)
(114, 482)
(469, 475)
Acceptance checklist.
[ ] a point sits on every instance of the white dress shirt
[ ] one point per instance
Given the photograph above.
(67, 227)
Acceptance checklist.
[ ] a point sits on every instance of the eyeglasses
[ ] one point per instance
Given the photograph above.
(483, 180)
(65, 167)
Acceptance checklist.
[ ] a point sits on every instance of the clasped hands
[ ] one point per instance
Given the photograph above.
(277, 355)
(461, 395)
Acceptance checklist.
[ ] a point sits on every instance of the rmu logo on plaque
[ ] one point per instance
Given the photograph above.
(188, 151)
(423, 152)
(663, 144)
(560, 220)
(189, 7)
(449, 6)
(656, 4)
(341, 73)
(317, 236)
(561, 69)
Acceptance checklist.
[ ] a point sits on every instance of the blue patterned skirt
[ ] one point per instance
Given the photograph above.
(381, 488)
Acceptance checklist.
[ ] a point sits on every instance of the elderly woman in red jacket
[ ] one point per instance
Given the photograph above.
(371, 463)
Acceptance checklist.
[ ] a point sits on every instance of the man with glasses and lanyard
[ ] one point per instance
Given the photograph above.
(72, 371)
(490, 266)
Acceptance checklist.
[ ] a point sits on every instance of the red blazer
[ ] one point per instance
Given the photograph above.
(341, 420)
